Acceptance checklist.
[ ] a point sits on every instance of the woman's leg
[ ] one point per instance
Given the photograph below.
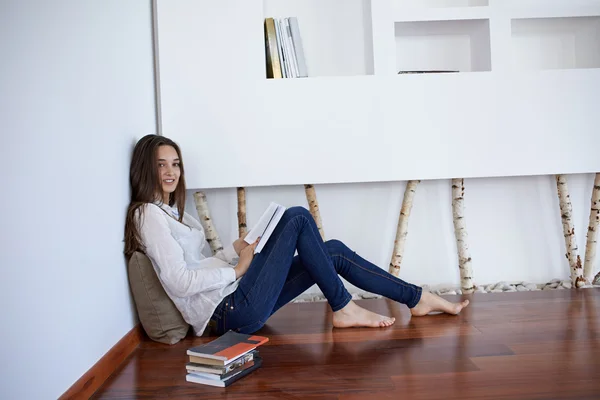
(260, 288)
(248, 308)
(369, 277)
(276, 277)
(243, 316)
(297, 282)
(269, 270)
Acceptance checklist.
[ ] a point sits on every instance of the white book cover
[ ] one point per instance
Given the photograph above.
(298, 48)
(280, 48)
(290, 47)
(265, 226)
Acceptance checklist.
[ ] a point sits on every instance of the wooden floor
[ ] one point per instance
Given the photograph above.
(529, 345)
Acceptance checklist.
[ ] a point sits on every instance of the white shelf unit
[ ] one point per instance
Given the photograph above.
(556, 43)
(485, 121)
(383, 37)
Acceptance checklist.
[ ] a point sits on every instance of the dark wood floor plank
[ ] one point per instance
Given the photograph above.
(492, 385)
(535, 345)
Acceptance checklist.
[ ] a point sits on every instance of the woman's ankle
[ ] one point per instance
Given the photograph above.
(348, 302)
(351, 305)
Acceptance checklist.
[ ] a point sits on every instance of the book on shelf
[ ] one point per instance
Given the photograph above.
(265, 226)
(224, 360)
(284, 48)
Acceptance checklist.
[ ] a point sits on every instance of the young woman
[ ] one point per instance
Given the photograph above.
(236, 289)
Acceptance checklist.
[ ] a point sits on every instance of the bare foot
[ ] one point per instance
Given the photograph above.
(430, 302)
(353, 316)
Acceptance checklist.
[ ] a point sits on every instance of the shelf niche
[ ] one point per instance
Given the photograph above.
(460, 45)
(556, 43)
(337, 41)
(441, 3)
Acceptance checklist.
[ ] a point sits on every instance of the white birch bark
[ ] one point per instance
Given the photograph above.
(592, 234)
(313, 205)
(241, 200)
(402, 229)
(460, 231)
(212, 237)
(566, 209)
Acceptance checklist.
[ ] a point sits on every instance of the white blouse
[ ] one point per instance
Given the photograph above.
(195, 283)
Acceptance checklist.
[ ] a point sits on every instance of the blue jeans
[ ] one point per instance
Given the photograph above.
(276, 276)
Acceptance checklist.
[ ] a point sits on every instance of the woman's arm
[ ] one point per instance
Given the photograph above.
(168, 257)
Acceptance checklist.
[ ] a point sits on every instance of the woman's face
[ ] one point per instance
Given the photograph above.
(168, 170)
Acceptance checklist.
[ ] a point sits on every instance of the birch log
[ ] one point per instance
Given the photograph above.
(241, 199)
(566, 209)
(212, 237)
(460, 231)
(592, 234)
(402, 230)
(313, 205)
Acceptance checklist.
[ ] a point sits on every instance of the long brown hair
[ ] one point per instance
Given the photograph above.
(145, 187)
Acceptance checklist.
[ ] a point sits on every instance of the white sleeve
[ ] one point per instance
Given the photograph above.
(228, 253)
(168, 257)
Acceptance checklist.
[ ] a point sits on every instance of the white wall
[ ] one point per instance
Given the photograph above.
(76, 91)
(514, 225)
(238, 128)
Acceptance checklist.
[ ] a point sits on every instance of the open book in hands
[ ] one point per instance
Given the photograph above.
(265, 226)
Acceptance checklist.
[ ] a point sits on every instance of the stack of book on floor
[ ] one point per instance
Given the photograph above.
(224, 360)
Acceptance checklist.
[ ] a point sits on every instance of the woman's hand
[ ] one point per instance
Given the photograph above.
(246, 256)
(240, 244)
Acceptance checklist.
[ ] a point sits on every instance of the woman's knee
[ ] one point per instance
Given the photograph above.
(296, 211)
(335, 246)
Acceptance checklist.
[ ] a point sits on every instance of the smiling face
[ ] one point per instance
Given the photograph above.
(169, 170)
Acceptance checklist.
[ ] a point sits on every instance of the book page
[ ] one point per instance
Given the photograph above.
(270, 228)
(265, 226)
(261, 225)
